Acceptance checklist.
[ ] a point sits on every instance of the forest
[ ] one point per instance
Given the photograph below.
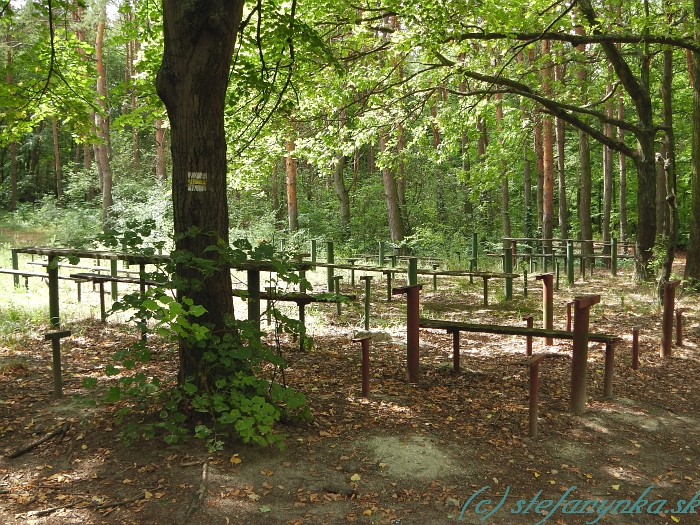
(189, 190)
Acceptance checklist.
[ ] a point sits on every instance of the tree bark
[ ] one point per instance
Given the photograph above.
(607, 173)
(586, 186)
(199, 38)
(623, 173)
(57, 160)
(548, 154)
(560, 129)
(539, 154)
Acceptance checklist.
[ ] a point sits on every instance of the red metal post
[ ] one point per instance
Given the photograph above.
(547, 303)
(679, 326)
(364, 341)
(528, 345)
(609, 370)
(534, 388)
(635, 347)
(667, 317)
(579, 360)
(412, 329)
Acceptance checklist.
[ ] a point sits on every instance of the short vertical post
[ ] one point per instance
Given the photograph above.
(412, 330)
(364, 341)
(667, 317)
(113, 273)
(635, 347)
(570, 262)
(524, 282)
(455, 350)
(475, 250)
(368, 281)
(528, 340)
(435, 267)
(52, 270)
(508, 269)
(55, 338)
(142, 291)
(389, 274)
(579, 358)
(486, 290)
(394, 258)
(609, 369)
(514, 246)
(302, 278)
(412, 271)
(103, 309)
(613, 256)
(679, 326)
(556, 273)
(547, 304)
(472, 269)
(534, 388)
(302, 321)
(381, 253)
(313, 250)
(337, 279)
(330, 258)
(15, 266)
(568, 315)
(352, 272)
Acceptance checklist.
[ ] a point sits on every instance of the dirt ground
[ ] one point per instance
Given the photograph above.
(453, 448)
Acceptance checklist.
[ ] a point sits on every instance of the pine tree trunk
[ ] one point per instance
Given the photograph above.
(586, 187)
(623, 173)
(560, 129)
(292, 201)
(692, 263)
(607, 174)
(199, 38)
(548, 156)
(102, 126)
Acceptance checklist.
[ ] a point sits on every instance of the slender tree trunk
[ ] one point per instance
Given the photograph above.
(199, 38)
(607, 173)
(505, 212)
(13, 144)
(623, 173)
(161, 170)
(661, 208)
(396, 226)
(102, 126)
(539, 154)
(584, 151)
(57, 160)
(292, 201)
(343, 195)
(560, 129)
(548, 154)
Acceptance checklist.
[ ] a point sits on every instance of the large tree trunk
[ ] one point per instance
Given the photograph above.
(692, 263)
(669, 164)
(396, 226)
(199, 37)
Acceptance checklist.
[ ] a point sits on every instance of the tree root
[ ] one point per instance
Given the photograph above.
(59, 431)
(198, 498)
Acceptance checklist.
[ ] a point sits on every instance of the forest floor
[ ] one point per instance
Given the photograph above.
(408, 454)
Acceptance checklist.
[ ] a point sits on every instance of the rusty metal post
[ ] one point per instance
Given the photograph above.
(579, 359)
(609, 369)
(455, 350)
(528, 346)
(667, 317)
(534, 388)
(635, 347)
(679, 326)
(365, 364)
(412, 329)
(547, 304)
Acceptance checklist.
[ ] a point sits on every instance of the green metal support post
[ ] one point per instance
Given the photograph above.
(313, 250)
(570, 262)
(52, 270)
(113, 273)
(435, 267)
(475, 250)
(368, 282)
(508, 268)
(15, 266)
(55, 338)
(613, 256)
(381, 253)
(330, 258)
(412, 271)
